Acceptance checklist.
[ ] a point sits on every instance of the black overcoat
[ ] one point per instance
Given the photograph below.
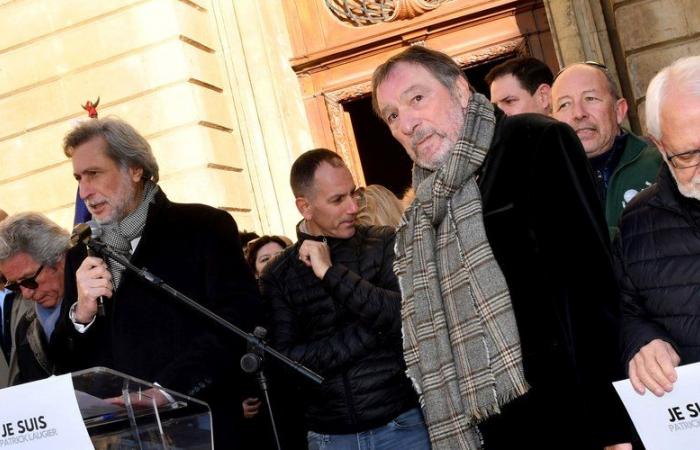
(548, 233)
(149, 335)
(659, 270)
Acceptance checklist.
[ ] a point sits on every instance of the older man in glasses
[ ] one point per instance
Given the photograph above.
(585, 96)
(334, 306)
(659, 243)
(32, 260)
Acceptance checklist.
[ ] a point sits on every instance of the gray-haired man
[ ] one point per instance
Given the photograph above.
(32, 260)
(658, 246)
(192, 247)
(505, 230)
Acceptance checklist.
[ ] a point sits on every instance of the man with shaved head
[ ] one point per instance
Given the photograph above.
(585, 96)
(334, 306)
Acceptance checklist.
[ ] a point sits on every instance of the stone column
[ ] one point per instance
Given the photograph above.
(268, 111)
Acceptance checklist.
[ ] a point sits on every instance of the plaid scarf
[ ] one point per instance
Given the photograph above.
(118, 235)
(460, 341)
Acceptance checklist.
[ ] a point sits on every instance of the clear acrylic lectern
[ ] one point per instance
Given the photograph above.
(121, 413)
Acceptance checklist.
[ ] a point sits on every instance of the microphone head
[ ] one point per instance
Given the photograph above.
(80, 233)
(95, 229)
(83, 232)
(260, 332)
(250, 363)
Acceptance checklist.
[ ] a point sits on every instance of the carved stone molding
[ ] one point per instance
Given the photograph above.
(342, 136)
(518, 46)
(344, 143)
(369, 12)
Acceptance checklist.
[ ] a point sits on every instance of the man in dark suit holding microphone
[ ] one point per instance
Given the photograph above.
(193, 248)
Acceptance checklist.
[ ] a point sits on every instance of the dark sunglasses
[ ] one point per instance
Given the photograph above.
(29, 282)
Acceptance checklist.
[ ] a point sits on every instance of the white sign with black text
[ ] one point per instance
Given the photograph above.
(669, 422)
(42, 415)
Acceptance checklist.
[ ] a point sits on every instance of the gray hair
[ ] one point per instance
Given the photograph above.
(438, 64)
(682, 74)
(34, 234)
(125, 145)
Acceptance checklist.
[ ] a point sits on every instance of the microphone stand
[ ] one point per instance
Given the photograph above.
(252, 363)
(255, 343)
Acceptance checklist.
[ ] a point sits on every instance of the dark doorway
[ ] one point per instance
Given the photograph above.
(384, 161)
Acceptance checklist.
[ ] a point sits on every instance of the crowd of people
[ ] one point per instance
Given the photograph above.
(543, 252)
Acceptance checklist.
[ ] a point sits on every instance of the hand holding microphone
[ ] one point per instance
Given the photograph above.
(93, 281)
(93, 278)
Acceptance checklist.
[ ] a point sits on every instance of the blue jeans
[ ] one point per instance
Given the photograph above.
(405, 432)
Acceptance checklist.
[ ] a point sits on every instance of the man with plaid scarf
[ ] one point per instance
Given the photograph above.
(509, 302)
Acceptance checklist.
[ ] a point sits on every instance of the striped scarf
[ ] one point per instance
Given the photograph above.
(118, 235)
(460, 341)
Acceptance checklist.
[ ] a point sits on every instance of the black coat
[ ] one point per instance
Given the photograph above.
(32, 352)
(548, 233)
(149, 335)
(658, 265)
(346, 327)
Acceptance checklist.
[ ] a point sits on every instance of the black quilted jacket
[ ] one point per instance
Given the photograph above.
(347, 327)
(658, 266)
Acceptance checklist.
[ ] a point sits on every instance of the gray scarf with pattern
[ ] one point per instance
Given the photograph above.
(460, 338)
(118, 235)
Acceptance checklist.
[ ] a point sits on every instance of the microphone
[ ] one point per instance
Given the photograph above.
(251, 362)
(83, 233)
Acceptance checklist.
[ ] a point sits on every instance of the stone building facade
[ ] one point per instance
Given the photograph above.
(230, 92)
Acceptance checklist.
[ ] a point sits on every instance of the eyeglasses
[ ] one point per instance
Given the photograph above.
(29, 282)
(684, 160)
(600, 66)
(359, 197)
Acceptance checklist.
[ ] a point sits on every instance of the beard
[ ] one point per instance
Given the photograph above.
(690, 189)
(449, 136)
(122, 199)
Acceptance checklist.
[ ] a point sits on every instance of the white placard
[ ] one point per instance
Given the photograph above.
(42, 415)
(670, 422)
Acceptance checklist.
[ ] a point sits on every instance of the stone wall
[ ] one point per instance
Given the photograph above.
(160, 65)
(653, 34)
(634, 38)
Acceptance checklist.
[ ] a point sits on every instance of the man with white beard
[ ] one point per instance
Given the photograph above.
(657, 251)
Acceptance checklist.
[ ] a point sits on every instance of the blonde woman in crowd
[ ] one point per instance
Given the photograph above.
(381, 208)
